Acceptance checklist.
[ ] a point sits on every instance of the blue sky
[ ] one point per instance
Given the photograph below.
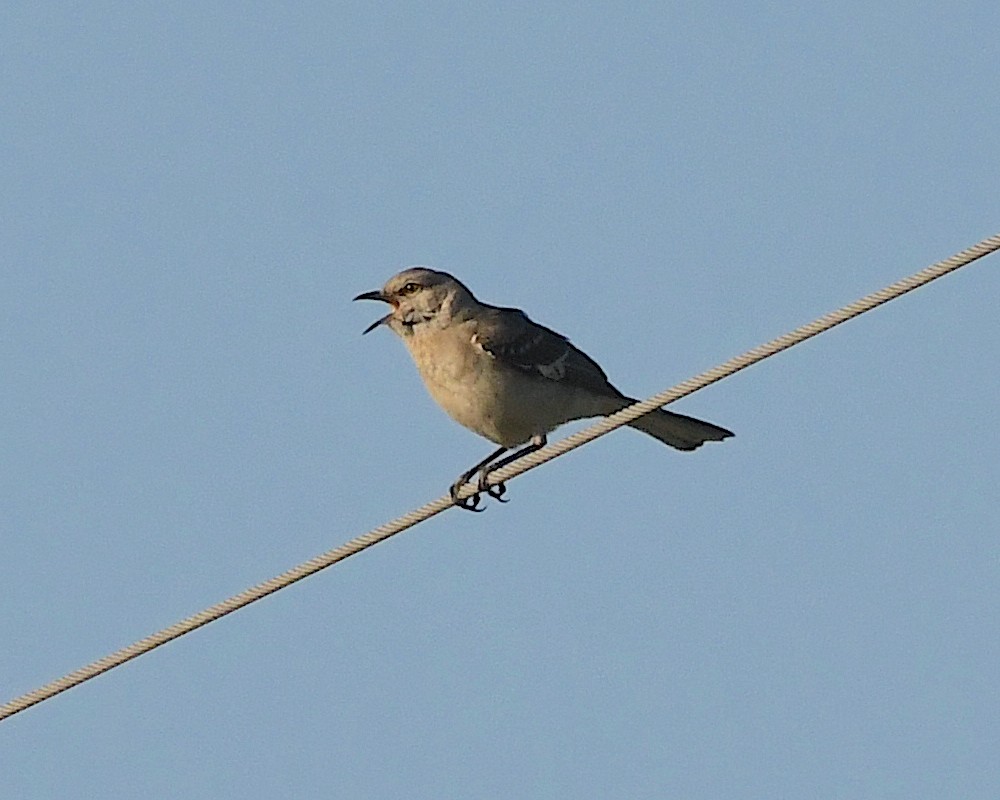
(192, 195)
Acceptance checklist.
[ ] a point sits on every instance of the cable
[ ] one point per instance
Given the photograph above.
(530, 461)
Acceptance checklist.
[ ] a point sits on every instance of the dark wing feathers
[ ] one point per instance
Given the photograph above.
(514, 340)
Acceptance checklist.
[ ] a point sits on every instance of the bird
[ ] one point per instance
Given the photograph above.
(505, 377)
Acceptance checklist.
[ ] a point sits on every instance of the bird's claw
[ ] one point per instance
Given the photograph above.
(470, 503)
(496, 490)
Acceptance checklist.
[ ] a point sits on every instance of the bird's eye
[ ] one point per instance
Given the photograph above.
(409, 288)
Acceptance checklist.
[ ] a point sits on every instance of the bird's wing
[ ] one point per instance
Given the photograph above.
(515, 341)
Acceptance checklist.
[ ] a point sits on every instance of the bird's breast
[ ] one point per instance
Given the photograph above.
(466, 382)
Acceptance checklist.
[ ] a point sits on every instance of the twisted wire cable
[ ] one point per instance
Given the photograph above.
(604, 426)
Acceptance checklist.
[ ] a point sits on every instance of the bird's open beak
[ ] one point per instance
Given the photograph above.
(374, 295)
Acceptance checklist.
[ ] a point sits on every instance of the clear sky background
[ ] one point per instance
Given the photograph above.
(192, 193)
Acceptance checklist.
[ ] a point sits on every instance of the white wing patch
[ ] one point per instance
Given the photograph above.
(479, 345)
(555, 371)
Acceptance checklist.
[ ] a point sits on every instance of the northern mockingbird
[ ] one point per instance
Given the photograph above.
(505, 377)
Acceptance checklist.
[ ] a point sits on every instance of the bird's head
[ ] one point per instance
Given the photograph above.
(418, 295)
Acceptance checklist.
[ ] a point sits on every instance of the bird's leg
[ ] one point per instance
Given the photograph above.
(498, 490)
(471, 503)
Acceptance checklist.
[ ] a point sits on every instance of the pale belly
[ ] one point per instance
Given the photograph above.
(501, 410)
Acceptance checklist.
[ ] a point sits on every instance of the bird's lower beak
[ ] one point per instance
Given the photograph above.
(374, 295)
(376, 323)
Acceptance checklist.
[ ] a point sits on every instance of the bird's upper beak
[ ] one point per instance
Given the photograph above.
(374, 295)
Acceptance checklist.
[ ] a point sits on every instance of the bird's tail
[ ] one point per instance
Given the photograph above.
(677, 430)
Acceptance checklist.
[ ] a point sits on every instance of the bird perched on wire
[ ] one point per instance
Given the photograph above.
(505, 377)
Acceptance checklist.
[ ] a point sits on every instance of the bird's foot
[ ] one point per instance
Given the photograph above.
(470, 503)
(496, 490)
